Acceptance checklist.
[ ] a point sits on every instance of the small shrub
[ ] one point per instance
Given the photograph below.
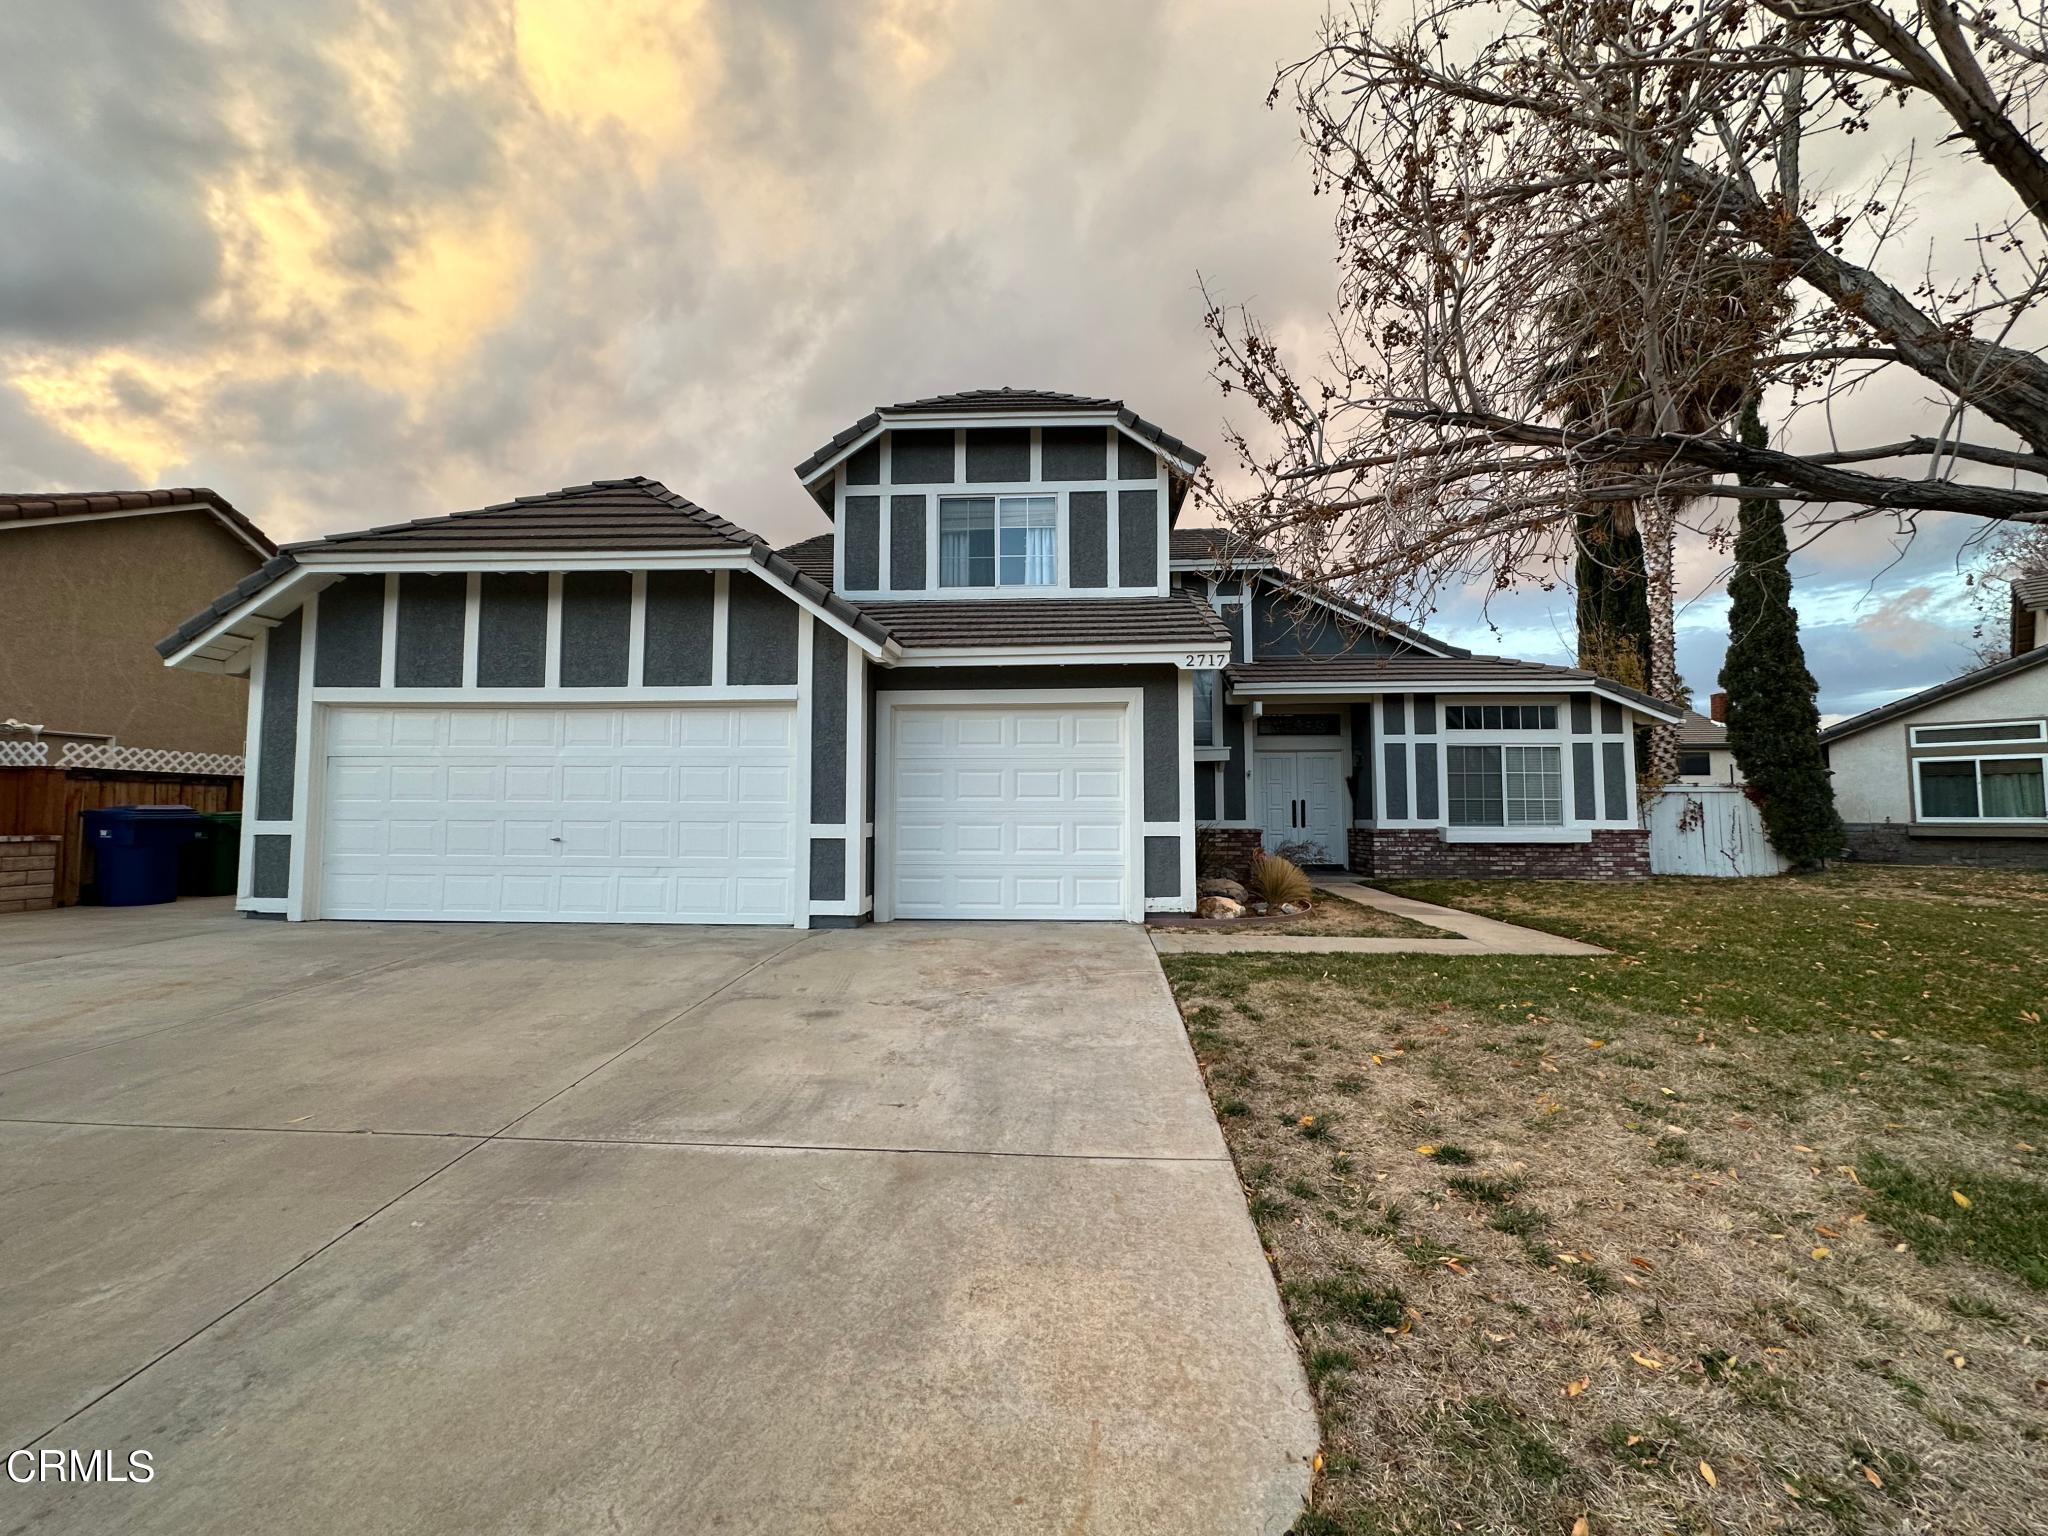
(1279, 882)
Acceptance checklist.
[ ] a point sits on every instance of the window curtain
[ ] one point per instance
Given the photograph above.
(1041, 558)
(2013, 789)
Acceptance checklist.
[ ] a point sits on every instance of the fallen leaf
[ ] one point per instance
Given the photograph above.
(1707, 1472)
(1574, 1388)
(1790, 1489)
(1307, 1121)
(1635, 1439)
(1796, 1147)
(1640, 1262)
(1376, 1061)
(1496, 1338)
(1821, 1253)
(1582, 1527)
(1871, 1477)
(1594, 1045)
(1827, 1231)
(1960, 1198)
(1646, 1362)
(1319, 1461)
(1426, 1150)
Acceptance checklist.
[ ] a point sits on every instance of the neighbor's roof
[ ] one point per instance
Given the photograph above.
(630, 516)
(40, 506)
(1434, 674)
(1179, 620)
(1914, 703)
(2032, 590)
(1698, 732)
(1000, 402)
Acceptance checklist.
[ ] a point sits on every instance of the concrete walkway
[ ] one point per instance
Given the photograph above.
(1465, 933)
(444, 1227)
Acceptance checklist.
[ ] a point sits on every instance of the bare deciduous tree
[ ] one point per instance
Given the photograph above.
(1573, 235)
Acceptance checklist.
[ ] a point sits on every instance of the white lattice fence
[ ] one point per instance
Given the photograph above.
(82, 754)
(24, 754)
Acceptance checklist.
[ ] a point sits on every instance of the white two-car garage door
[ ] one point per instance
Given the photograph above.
(580, 815)
(1011, 812)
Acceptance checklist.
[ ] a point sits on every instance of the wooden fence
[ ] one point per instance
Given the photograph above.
(49, 802)
(1700, 829)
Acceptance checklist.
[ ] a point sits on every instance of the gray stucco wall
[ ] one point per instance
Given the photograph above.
(680, 605)
(906, 543)
(1425, 781)
(350, 628)
(1137, 538)
(998, 455)
(1233, 773)
(1162, 866)
(828, 725)
(828, 868)
(864, 465)
(1584, 806)
(1134, 461)
(1088, 538)
(1614, 775)
(862, 530)
(1287, 626)
(760, 633)
(1397, 781)
(270, 864)
(921, 457)
(1073, 453)
(1361, 763)
(431, 607)
(597, 623)
(512, 630)
(278, 729)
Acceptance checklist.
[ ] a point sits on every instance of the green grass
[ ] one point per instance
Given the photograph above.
(2005, 1224)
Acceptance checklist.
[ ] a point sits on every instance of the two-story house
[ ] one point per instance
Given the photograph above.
(1002, 686)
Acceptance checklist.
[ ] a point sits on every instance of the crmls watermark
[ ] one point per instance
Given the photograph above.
(51, 1465)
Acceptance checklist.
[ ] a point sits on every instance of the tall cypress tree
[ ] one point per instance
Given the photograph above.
(1773, 721)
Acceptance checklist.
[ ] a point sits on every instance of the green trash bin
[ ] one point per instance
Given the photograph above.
(213, 862)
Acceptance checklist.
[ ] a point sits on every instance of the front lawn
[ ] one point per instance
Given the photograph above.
(1743, 1229)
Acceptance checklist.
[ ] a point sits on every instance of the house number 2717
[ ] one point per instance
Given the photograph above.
(1205, 661)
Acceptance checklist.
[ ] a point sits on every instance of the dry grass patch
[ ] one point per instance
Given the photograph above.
(1668, 1242)
(1335, 917)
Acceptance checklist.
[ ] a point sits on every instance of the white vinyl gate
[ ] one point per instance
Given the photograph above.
(1709, 830)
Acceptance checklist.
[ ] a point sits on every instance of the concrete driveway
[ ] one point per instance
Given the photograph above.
(456, 1227)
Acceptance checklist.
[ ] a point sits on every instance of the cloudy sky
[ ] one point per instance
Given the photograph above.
(349, 262)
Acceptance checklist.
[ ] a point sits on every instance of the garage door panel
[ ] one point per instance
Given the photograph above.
(1009, 813)
(539, 814)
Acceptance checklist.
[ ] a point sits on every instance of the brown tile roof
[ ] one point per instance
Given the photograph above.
(1180, 620)
(623, 517)
(1002, 402)
(812, 556)
(599, 518)
(27, 506)
(1429, 674)
(1698, 732)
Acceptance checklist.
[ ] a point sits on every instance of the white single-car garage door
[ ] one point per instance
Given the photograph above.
(550, 815)
(1011, 812)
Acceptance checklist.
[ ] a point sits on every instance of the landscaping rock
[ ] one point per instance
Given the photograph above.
(1260, 909)
(1288, 909)
(1218, 906)
(1222, 887)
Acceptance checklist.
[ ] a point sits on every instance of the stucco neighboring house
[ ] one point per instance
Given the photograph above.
(88, 583)
(1954, 774)
(1004, 685)
(1704, 757)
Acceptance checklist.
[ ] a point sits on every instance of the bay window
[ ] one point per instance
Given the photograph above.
(998, 541)
(1506, 786)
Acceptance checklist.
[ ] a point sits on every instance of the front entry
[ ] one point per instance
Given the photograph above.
(1301, 799)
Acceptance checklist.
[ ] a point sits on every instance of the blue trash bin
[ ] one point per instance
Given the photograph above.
(137, 848)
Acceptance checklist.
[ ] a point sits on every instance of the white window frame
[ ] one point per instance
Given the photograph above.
(1000, 498)
(1504, 825)
(2040, 728)
(1978, 758)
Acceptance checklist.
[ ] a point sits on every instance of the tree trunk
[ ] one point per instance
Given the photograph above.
(1659, 523)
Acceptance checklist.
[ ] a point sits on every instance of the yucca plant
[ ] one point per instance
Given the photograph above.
(1279, 881)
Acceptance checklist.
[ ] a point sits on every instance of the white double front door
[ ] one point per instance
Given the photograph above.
(1301, 801)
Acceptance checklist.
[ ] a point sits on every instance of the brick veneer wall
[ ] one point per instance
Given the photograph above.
(28, 873)
(1615, 853)
(1225, 851)
(1888, 843)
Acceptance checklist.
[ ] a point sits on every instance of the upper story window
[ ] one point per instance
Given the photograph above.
(1500, 717)
(999, 541)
